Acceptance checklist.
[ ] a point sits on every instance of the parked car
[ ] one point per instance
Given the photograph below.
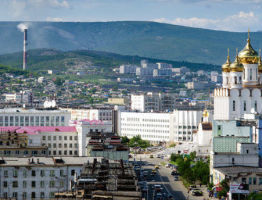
(192, 187)
(176, 178)
(197, 192)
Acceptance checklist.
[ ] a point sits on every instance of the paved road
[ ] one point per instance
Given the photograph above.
(164, 178)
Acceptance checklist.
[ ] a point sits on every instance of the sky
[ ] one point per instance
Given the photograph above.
(227, 15)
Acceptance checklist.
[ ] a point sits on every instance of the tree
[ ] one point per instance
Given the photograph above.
(136, 141)
(125, 140)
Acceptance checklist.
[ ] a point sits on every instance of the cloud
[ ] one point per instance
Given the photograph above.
(54, 19)
(238, 22)
(49, 3)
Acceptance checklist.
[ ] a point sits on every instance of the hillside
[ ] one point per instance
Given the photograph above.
(146, 39)
(43, 59)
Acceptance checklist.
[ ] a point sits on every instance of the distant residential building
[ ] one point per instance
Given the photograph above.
(181, 70)
(125, 80)
(152, 102)
(33, 117)
(127, 69)
(164, 66)
(118, 101)
(197, 85)
(23, 97)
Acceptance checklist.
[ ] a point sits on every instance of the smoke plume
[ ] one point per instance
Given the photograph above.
(22, 26)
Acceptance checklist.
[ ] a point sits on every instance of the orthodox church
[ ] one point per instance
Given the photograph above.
(241, 91)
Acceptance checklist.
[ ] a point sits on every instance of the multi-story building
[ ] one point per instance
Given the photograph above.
(84, 127)
(33, 117)
(90, 114)
(176, 126)
(152, 102)
(127, 69)
(155, 127)
(16, 142)
(38, 177)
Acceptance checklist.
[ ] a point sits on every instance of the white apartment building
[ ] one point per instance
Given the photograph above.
(127, 69)
(152, 102)
(155, 127)
(90, 114)
(33, 117)
(38, 177)
(185, 122)
(177, 126)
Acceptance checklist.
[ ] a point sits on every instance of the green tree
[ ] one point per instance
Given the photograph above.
(136, 141)
(124, 140)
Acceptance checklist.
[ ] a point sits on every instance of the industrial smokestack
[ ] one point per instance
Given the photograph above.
(24, 51)
(23, 28)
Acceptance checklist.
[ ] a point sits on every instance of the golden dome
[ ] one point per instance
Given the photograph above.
(236, 66)
(226, 65)
(248, 55)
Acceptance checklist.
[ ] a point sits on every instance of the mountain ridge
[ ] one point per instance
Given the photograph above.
(141, 38)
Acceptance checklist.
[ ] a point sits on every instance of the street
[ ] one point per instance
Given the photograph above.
(164, 178)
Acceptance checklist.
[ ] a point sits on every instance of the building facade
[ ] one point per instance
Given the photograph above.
(33, 117)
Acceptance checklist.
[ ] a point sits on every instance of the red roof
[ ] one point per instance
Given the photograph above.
(33, 130)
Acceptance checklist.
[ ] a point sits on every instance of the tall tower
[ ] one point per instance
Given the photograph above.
(24, 50)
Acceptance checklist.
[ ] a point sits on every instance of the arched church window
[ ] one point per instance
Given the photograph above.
(250, 74)
(234, 105)
(245, 106)
(255, 106)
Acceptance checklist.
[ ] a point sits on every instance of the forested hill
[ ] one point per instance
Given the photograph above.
(145, 39)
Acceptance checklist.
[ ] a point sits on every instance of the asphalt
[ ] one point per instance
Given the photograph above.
(165, 179)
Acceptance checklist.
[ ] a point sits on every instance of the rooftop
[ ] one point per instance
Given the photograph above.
(34, 130)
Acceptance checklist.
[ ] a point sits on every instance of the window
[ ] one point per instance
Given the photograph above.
(250, 181)
(233, 161)
(61, 172)
(5, 195)
(60, 138)
(24, 195)
(51, 184)
(65, 145)
(5, 173)
(65, 137)
(44, 138)
(54, 145)
(245, 106)
(5, 184)
(33, 184)
(15, 184)
(37, 120)
(27, 121)
(75, 137)
(54, 138)
(52, 173)
(24, 184)
(42, 184)
(244, 180)
(33, 172)
(72, 172)
(32, 121)
(235, 79)
(250, 74)
(22, 121)
(255, 106)
(65, 152)
(51, 194)
(14, 194)
(15, 173)
(42, 173)
(70, 145)
(42, 195)
(33, 195)
(24, 173)
(54, 153)
(49, 138)
(260, 181)
(234, 105)
(61, 183)
(254, 180)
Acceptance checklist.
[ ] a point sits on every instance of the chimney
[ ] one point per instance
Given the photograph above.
(25, 53)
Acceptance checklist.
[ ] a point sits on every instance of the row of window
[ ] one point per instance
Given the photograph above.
(26, 195)
(184, 133)
(65, 153)
(49, 138)
(186, 127)
(23, 152)
(147, 125)
(31, 120)
(148, 136)
(144, 130)
(34, 173)
(252, 181)
(55, 145)
(244, 105)
(15, 184)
